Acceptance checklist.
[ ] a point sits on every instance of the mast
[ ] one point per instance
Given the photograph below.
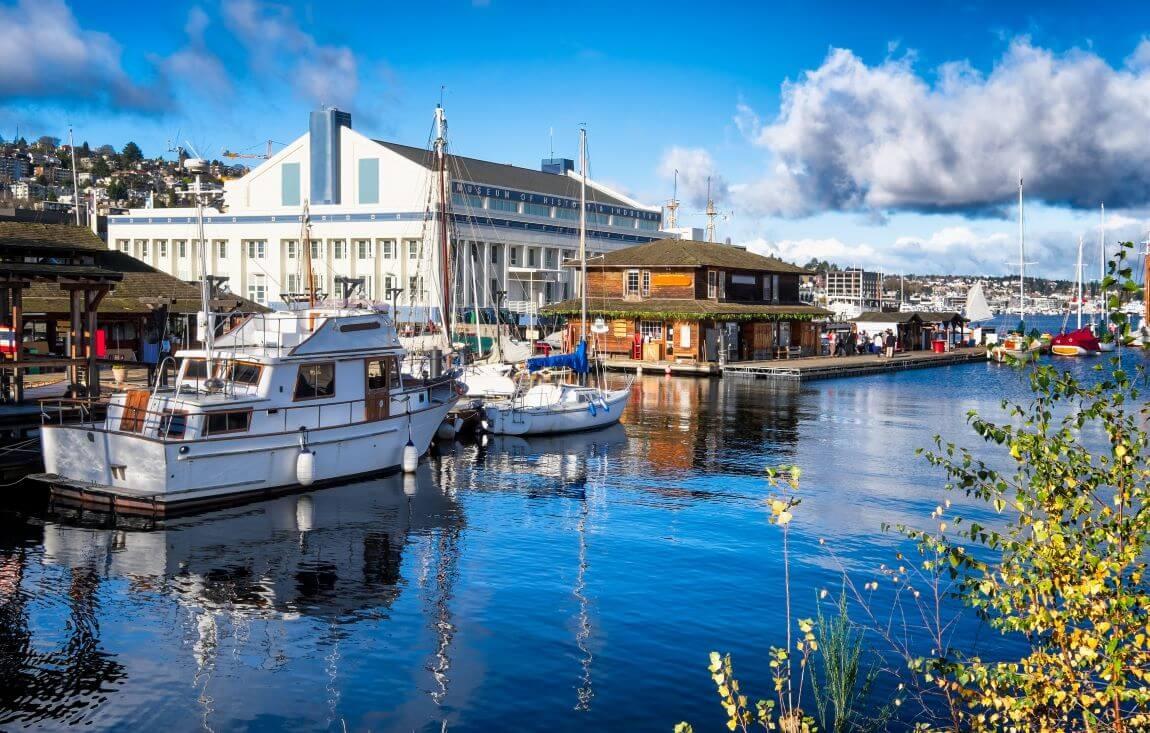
(197, 166)
(307, 250)
(711, 213)
(1102, 268)
(1021, 261)
(583, 232)
(1079, 278)
(444, 245)
(673, 204)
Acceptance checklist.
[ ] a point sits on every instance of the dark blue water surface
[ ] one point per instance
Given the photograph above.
(573, 583)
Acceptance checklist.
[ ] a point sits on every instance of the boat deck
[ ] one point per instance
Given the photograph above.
(828, 367)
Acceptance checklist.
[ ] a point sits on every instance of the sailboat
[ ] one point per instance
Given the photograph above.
(1106, 340)
(1017, 345)
(1081, 341)
(562, 408)
(977, 309)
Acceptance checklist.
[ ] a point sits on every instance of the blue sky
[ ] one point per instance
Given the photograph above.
(882, 134)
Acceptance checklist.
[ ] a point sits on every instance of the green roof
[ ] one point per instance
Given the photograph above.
(663, 308)
(19, 237)
(691, 253)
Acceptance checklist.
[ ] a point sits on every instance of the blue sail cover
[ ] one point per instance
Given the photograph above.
(576, 361)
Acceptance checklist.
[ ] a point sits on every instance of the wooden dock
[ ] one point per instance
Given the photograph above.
(687, 369)
(827, 367)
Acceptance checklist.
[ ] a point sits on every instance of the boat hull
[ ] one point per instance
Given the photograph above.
(510, 419)
(152, 471)
(1069, 350)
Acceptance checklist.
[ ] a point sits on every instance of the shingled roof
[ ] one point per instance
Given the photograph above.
(140, 285)
(690, 253)
(504, 175)
(662, 308)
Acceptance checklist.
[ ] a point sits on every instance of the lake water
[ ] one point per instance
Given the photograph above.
(573, 583)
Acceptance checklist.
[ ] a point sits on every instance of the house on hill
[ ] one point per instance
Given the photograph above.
(689, 301)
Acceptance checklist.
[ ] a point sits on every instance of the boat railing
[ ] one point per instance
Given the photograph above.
(281, 331)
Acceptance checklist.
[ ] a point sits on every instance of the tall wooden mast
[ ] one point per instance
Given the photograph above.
(444, 241)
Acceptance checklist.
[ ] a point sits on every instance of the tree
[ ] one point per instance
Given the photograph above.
(117, 191)
(22, 143)
(85, 151)
(1065, 567)
(132, 153)
(47, 142)
(106, 150)
(100, 168)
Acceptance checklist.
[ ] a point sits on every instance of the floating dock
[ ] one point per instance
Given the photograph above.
(827, 367)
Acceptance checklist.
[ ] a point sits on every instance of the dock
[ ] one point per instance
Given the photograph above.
(834, 367)
(685, 368)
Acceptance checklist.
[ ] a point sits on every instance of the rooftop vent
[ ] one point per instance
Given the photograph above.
(558, 166)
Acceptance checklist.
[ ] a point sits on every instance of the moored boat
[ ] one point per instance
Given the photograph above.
(283, 400)
(1080, 342)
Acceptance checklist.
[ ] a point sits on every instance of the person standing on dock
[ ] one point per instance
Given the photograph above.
(832, 348)
(876, 343)
(891, 342)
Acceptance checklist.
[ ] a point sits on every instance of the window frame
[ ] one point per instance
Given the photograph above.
(712, 283)
(630, 290)
(295, 390)
(653, 330)
(645, 284)
(207, 431)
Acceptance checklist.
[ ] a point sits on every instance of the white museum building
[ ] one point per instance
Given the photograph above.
(372, 208)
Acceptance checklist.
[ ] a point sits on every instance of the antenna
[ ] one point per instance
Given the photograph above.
(551, 136)
(711, 213)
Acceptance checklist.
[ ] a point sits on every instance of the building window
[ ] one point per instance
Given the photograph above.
(258, 290)
(289, 184)
(337, 249)
(503, 205)
(293, 283)
(414, 288)
(652, 330)
(222, 248)
(315, 381)
(647, 224)
(566, 213)
(412, 249)
(368, 287)
(467, 201)
(291, 247)
(363, 249)
(256, 249)
(181, 248)
(162, 247)
(494, 253)
(537, 210)
(143, 248)
(622, 221)
(513, 256)
(594, 217)
(532, 257)
(645, 286)
(388, 283)
(631, 283)
(387, 249)
(712, 284)
(767, 288)
(316, 250)
(369, 180)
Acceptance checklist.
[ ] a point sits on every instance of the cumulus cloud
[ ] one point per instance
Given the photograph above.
(694, 166)
(195, 63)
(963, 250)
(322, 74)
(879, 138)
(47, 56)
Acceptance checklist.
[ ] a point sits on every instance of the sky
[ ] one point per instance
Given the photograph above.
(884, 135)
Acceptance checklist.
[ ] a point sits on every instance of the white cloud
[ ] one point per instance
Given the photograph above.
(195, 63)
(322, 74)
(694, 166)
(880, 138)
(46, 55)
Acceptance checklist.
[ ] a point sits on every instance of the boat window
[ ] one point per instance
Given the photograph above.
(246, 373)
(227, 422)
(315, 381)
(195, 369)
(174, 424)
(382, 374)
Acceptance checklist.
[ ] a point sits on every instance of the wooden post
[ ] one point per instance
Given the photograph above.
(74, 335)
(18, 336)
(92, 301)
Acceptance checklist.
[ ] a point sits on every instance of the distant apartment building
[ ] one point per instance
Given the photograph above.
(28, 190)
(859, 289)
(13, 169)
(373, 209)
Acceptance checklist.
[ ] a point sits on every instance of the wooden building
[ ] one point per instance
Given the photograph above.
(688, 301)
(914, 330)
(68, 302)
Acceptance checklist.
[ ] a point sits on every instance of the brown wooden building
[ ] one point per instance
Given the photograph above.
(688, 301)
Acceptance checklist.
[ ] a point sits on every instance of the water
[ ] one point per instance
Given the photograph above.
(574, 583)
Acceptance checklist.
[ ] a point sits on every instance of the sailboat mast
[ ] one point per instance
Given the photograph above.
(583, 232)
(1079, 278)
(444, 245)
(1102, 268)
(307, 255)
(205, 286)
(1021, 259)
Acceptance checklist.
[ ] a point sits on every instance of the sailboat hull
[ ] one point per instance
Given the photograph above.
(511, 418)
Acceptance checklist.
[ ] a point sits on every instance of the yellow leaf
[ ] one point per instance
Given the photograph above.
(784, 517)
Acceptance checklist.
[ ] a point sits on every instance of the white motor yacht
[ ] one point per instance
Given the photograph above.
(282, 400)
